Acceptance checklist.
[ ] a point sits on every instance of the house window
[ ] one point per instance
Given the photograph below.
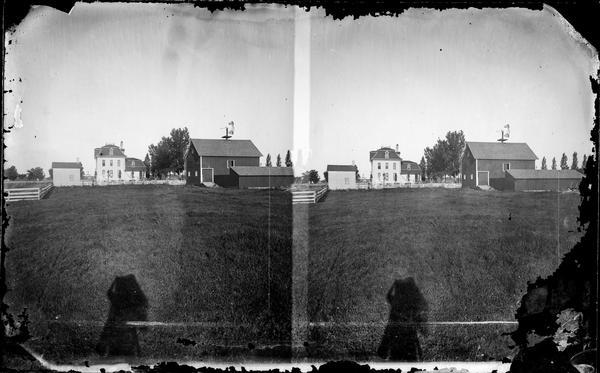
(139, 175)
(103, 173)
(506, 166)
(103, 163)
(387, 155)
(379, 165)
(132, 163)
(379, 176)
(118, 163)
(110, 173)
(230, 163)
(110, 151)
(111, 163)
(395, 175)
(119, 174)
(386, 165)
(408, 166)
(394, 165)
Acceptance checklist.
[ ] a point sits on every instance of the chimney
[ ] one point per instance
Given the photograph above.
(122, 146)
(396, 148)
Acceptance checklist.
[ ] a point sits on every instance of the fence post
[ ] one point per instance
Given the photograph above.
(39, 193)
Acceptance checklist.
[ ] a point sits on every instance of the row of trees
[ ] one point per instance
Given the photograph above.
(443, 159)
(564, 163)
(288, 160)
(36, 173)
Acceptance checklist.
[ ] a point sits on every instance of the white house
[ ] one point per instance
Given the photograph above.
(113, 165)
(387, 167)
(66, 173)
(341, 176)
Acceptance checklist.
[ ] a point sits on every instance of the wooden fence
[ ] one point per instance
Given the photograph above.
(22, 194)
(308, 196)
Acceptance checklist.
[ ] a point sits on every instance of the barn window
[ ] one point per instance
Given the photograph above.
(196, 173)
(103, 163)
(471, 176)
(230, 163)
(506, 166)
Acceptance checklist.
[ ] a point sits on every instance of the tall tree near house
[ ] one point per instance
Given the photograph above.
(147, 164)
(167, 155)
(455, 148)
(444, 157)
(51, 173)
(423, 166)
(81, 173)
(584, 162)
(554, 163)
(178, 142)
(36, 173)
(278, 164)
(564, 162)
(288, 159)
(268, 161)
(544, 165)
(11, 173)
(312, 175)
(574, 165)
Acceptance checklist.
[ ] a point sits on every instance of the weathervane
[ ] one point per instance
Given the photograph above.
(228, 131)
(505, 133)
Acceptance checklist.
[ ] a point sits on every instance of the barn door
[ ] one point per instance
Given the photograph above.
(207, 175)
(484, 178)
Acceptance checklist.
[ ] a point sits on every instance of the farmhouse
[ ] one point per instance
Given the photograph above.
(261, 177)
(536, 180)
(387, 167)
(66, 173)
(485, 163)
(341, 176)
(113, 165)
(208, 161)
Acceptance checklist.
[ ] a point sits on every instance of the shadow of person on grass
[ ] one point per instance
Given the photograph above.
(400, 341)
(127, 303)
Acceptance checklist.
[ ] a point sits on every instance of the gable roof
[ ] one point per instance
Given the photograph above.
(104, 152)
(380, 154)
(497, 150)
(262, 171)
(76, 165)
(335, 167)
(545, 174)
(225, 148)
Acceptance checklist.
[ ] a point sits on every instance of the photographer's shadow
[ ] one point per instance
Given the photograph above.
(408, 313)
(127, 303)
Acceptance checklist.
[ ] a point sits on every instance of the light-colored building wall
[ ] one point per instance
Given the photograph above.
(66, 176)
(341, 179)
(386, 171)
(107, 169)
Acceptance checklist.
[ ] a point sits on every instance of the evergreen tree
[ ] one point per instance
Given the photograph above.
(554, 163)
(544, 165)
(574, 164)
(278, 160)
(423, 166)
(563, 162)
(288, 159)
(268, 161)
(583, 162)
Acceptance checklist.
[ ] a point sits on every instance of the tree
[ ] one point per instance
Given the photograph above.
(11, 173)
(423, 166)
(444, 157)
(288, 159)
(554, 163)
(544, 165)
(147, 164)
(268, 161)
(167, 155)
(311, 176)
(326, 176)
(563, 162)
(584, 162)
(278, 160)
(455, 148)
(36, 173)
(574, 165)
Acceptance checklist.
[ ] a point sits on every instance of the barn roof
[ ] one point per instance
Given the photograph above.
(337, 167)
(380, 153)
(104, 151)
(134, 164)
(262, 171)
(225, 148)
(545, 174)
(76, 165)
(497, 150)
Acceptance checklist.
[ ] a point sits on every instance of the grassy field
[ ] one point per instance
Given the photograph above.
(470, 252)
(200, 257)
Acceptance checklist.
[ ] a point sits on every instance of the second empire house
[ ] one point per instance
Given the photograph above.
(112, 165)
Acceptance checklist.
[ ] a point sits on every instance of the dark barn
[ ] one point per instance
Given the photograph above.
(262, 177)
(537, 180)
(485, 163)
(208, 161)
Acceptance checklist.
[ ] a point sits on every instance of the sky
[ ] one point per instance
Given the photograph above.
(329, 90)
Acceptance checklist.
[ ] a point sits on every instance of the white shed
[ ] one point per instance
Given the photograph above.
(341, 176)
(66, 173)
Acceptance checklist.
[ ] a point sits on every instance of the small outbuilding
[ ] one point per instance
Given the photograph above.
(538, 180)
(66, 173)
(261, 177)
(341, 176)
